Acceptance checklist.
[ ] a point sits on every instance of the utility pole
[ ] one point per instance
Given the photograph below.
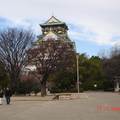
(77, 58)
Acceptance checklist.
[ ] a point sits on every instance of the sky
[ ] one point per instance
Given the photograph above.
(94, 25)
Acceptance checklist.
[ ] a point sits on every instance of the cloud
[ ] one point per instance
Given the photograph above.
(26, 24)
(5, 22)
(81, 33)
(95, 21)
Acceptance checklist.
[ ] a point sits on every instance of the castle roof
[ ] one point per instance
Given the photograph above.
(52, 22)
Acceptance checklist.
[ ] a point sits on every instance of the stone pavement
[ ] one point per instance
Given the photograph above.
(94, 107)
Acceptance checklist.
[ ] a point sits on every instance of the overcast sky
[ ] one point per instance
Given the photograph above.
(93, 24)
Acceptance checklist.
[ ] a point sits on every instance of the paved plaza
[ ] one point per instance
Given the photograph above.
(97, 106)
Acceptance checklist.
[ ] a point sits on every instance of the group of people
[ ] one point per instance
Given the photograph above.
(5, 93)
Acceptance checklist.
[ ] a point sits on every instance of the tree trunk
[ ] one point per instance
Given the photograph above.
(15, 82)
(43, 89)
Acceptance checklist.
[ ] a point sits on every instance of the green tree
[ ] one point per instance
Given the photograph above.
(64, 80)
(91, 72)
(111, 67)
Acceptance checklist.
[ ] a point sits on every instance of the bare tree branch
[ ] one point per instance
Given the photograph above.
(49, 55)
(14, 43)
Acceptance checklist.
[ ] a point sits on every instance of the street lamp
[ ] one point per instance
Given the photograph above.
(77, 59)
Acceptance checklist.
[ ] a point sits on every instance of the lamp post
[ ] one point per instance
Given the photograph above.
(77, 59)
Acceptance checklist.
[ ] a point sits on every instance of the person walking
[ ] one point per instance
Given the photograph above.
(1, 96)
(8, 94)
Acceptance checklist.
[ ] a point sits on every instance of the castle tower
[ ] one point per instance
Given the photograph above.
(55, 29)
